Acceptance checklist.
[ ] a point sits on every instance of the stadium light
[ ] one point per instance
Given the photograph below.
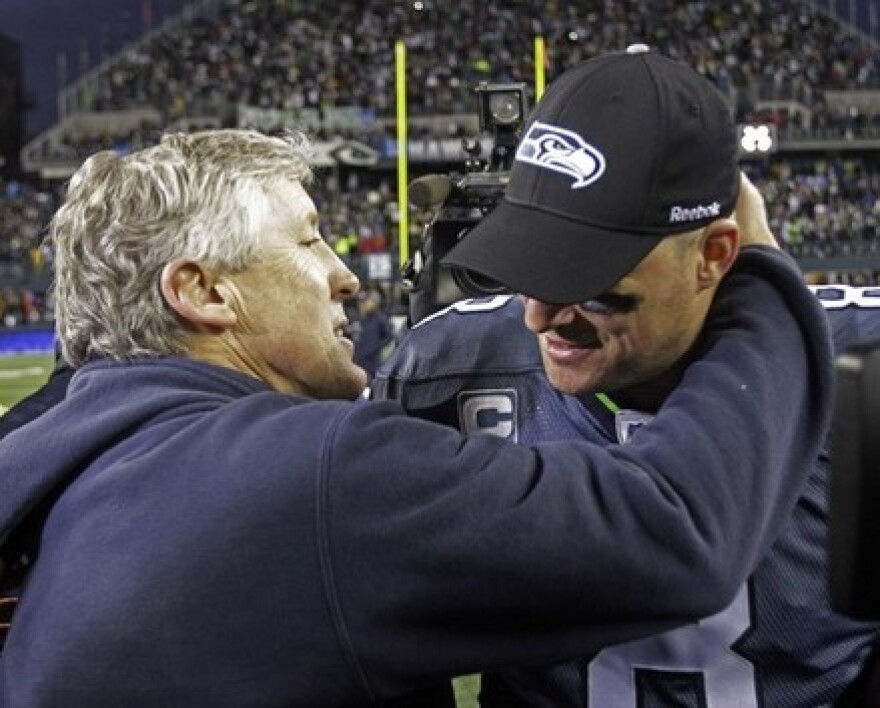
(757, 140)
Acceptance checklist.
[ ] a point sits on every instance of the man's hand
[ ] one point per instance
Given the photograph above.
(751, 216)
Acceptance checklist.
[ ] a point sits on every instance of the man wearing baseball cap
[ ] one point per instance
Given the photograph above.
(620, 153)
(624, 214)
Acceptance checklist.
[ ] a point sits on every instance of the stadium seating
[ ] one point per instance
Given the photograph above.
(329, 67)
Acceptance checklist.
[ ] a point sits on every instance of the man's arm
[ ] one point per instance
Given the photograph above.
(579, 546)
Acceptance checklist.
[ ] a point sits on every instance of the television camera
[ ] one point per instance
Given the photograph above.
(461, 200)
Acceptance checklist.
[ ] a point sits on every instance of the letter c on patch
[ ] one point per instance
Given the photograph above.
(492, 412)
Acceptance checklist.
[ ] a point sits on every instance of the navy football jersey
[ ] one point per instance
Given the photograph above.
(476, 367)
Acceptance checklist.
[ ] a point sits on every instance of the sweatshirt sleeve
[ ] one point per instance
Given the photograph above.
(444, 554)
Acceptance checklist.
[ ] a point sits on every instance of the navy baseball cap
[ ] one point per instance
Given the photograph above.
(621, 151)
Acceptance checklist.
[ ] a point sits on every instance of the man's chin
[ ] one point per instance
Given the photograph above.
(350, 384)
(362, 380)
(570, 381)
(359, 381)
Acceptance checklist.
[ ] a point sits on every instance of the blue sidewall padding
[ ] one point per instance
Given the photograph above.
(27, 341)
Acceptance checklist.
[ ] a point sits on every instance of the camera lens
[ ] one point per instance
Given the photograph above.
(475, 284)
(504, 107)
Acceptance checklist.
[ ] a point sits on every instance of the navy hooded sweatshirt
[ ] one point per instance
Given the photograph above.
(216, 543)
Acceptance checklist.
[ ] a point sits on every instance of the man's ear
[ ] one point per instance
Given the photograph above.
(719, 248)
(191, 291)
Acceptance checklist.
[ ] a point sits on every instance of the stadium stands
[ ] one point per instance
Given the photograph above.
(329, 67)
(309, 54)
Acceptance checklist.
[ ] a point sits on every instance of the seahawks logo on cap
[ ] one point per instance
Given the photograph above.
(562, 151)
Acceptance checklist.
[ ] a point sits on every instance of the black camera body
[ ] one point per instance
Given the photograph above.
(855, 484)
(461, 201)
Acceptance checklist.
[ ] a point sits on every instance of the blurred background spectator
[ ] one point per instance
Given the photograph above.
(372, 331)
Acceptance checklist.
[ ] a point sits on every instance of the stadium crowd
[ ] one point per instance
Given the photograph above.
(308, 54)
(819, 208)
(305, 58)
(823, 207)
(25, 261)
(296, 56)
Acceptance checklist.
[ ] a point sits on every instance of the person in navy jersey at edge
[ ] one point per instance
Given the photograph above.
(221, 520)
(629, 159)
(373, 332)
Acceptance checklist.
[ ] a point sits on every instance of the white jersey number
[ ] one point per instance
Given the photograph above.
(837, 297)
(465, 307)
(698, 657)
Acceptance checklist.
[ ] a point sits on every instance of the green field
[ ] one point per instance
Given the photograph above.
(22, 374)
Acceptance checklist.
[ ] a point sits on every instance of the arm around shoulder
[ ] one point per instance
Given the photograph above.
(582, 544)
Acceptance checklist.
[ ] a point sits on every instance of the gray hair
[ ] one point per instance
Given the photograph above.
(200, 196)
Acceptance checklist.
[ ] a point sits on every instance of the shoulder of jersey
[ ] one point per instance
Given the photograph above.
(485, 334)
(853, 313)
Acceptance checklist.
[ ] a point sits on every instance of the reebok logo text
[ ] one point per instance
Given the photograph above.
(678, 213)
